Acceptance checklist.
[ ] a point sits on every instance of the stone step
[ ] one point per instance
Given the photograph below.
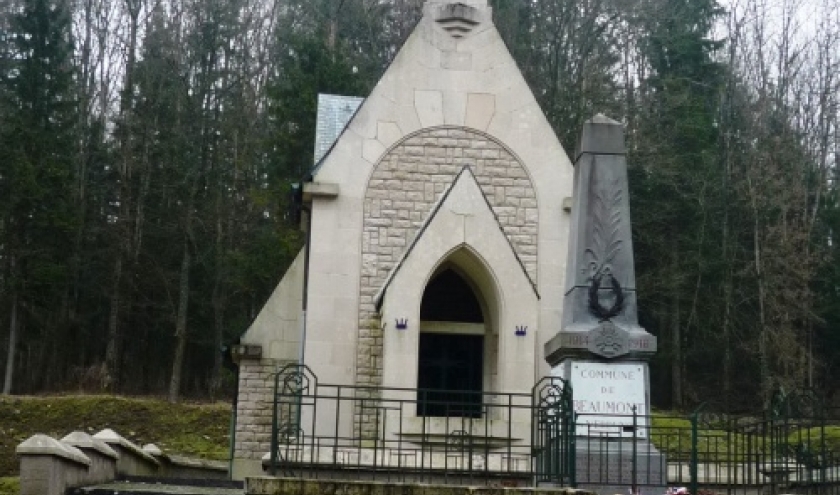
(156, 486)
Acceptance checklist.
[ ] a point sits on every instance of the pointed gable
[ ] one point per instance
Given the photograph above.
(462, 197)
(453, 70)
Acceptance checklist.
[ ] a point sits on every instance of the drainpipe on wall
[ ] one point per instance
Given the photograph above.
(306, 224)
(305, 298)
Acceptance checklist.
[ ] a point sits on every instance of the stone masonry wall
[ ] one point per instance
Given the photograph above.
(402, 190)
(254, 407)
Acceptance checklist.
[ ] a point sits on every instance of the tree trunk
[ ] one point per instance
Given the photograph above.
(13, 334)
(676, 333)
(765, 379)
(218, 336)
(727, 290)
(111, 371)
(123, 228)
(332, 29)
(181, 326)
(727, 338)
(219, 303)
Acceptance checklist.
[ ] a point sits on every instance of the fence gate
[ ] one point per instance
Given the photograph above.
(295, 387)
(553, 438)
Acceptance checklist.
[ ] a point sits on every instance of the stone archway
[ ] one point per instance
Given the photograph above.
(491, 296)
(403, 189)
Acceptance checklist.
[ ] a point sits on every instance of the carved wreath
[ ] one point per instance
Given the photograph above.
(603, 313)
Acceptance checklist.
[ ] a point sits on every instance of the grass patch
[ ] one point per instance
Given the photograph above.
(10, 486)
(813, 435)
(199, 430)
(672, 436)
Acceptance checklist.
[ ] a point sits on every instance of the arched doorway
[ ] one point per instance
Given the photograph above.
(455, 351)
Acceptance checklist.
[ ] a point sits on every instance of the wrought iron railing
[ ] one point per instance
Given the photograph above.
(526, 439)
(333, 431)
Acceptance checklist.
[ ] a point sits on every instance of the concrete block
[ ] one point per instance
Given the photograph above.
(103, 466)
(133, 461)
(49, 467)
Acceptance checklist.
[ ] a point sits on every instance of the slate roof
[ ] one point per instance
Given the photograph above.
(334, 113)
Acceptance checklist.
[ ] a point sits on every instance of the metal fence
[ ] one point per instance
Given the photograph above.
(400, 434)
(527, 439)
(707, 453)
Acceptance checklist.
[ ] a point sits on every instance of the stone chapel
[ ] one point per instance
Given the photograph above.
(437, 229)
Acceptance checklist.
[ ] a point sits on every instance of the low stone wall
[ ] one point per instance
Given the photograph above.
(254, 407)
(103, 459)
(49, 466)
(132, 460)
(296, 486)
(175, 467)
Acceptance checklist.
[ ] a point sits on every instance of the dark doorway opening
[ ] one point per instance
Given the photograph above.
(450, 375)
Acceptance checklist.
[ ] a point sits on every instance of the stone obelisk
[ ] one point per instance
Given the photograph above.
(601, 349)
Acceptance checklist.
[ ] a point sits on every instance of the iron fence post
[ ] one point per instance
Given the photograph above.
(571, 434)
(232, 434)
(274, 432)
(823, 459)
(634, 460)
(693, 459)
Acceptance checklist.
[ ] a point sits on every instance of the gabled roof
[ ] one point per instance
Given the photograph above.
(465, 174)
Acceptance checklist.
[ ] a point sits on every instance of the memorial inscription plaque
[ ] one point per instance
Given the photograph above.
(605, 397)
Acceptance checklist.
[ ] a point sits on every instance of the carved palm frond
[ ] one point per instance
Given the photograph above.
(606, 218)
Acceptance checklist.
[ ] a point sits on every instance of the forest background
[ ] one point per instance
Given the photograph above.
(147, 148)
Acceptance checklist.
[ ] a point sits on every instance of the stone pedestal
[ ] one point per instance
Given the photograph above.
(612, 444)
(611, 465)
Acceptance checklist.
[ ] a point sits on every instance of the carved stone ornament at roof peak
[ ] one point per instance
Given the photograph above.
(474, 3)
(458, 19)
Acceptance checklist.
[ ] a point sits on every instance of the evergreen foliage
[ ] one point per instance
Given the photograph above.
(147, 148)
(38, 150)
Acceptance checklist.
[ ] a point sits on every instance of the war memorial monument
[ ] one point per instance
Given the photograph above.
(601, 349)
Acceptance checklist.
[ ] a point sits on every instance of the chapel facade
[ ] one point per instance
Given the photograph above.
(437, 231)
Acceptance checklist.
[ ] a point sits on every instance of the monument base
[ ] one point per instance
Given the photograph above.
(612, 427)
(616, 465)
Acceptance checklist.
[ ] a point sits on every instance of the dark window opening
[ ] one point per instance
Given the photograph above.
(450, 375)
